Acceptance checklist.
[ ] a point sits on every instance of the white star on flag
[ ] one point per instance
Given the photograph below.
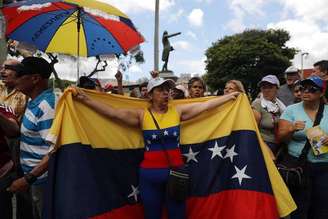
(231, 153)
(166, 132)
(174, 133)
(148, 142)
(153, 136)
(216, 150)
(191, 155)
(147, 148)
(134, 193)
(240, 174)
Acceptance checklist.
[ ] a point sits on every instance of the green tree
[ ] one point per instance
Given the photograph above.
(248, 56)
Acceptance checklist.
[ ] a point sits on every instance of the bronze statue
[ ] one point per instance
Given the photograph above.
(167, 48)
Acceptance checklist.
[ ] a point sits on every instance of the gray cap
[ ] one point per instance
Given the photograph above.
(155, 82)
(272, 79)
(291, 69)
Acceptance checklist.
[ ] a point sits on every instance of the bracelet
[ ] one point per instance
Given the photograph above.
(30, 178)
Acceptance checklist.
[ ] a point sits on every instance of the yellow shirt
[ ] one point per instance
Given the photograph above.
(15, 99)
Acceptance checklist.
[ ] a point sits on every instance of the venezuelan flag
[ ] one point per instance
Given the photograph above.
(94, 173)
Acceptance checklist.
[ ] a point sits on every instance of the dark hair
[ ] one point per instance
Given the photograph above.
(194, 79)
(144, 84)
(179, 94)
(323, 65)
(87, 83)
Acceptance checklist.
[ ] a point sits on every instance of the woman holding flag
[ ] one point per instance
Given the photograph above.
(160, 124)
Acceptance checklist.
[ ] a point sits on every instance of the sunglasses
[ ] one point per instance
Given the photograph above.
(311, 89)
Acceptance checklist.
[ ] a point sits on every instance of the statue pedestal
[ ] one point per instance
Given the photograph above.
(168, 75)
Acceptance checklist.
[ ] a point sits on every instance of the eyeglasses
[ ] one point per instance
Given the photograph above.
(311, 89)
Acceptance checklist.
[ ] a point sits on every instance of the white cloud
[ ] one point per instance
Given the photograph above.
(305, 27)
(192, 34)
(195, 17)
(138, 6)
(236, 25)
(174, 17)
(135, 68)
(181, 45)
(193, 66)
(67, 67)
(204, 1)
(310, 10)
(306, 36)
(241, 9)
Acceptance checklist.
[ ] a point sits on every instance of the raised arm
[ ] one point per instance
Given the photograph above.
(189, 111)
(119, 78)
(132, 117)
(174, 34)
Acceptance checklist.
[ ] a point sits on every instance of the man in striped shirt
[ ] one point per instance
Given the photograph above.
(32, 80)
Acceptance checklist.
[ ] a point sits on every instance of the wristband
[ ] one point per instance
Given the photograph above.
(30, 178)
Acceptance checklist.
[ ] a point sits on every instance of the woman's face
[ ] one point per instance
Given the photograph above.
(160, 95)
(311, 93)
(269, 91)
(229, 88)
(297, 93)
(196, 90)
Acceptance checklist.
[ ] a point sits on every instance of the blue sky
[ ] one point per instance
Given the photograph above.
(204, 21)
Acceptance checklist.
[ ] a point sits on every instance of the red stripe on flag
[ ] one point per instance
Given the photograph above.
(126, 212)
(233, 204)
(158, 159)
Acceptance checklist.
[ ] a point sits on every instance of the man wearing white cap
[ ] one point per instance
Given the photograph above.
(286, 91)
(161, 117)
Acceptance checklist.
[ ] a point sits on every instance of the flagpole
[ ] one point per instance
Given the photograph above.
(78, 43)
(156, 36)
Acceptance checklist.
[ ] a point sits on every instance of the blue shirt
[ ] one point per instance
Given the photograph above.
(294, 113)
(36, 123)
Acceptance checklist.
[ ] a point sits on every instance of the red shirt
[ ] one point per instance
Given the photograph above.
(4, 149)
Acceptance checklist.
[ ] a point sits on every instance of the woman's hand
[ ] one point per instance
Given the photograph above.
(324, 140)
(154, 74)
(233, 95)
(19, 185)
(298, 125)
(80, 95)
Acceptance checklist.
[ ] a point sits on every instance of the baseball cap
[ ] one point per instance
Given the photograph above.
(181, 88)
(272, 79)
(35, 65)
(18, 67)
(315, 80)
(291, 69)
(155, 82)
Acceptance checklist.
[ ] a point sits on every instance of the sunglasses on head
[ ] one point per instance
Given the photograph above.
(310, 89)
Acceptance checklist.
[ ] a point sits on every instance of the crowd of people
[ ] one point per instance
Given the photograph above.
(283, 114)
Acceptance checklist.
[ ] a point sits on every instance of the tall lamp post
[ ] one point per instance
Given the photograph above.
(303, 54)
(156, 36)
